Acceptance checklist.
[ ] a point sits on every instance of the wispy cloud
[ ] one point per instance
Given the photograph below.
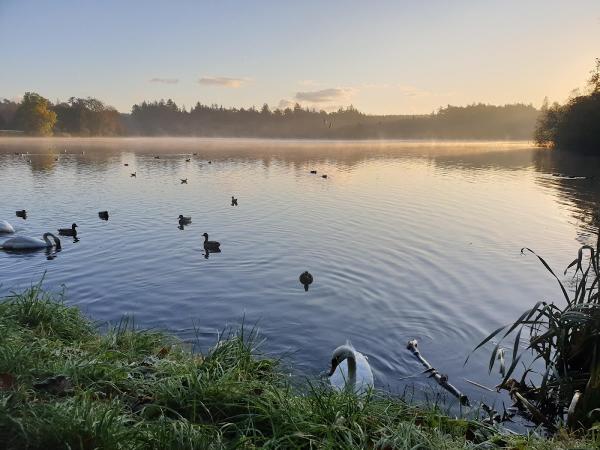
(325, 95)
(285, 103)
(412, 91)
(165, 80)
(223, 81)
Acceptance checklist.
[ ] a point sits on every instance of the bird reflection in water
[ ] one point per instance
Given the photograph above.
(51, 253)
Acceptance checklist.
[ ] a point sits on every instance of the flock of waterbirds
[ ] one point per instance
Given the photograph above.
(349, 368)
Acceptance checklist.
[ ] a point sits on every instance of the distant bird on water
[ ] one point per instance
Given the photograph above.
(313, 171)
(323, 176)
(183, 220)
(157, 157)
(306, 279)
(211, 246)
(103, 215)
(126, 164)
(183, 180)
(134, 174)
(188, 159)
(68, 231)
(22, 214)
(210, 162)
(233, 201)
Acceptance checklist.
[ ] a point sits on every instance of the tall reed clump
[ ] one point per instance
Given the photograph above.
(63, 385)
(566, 340)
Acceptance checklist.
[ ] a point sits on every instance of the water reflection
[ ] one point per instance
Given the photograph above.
(408, 240)
(578, 186)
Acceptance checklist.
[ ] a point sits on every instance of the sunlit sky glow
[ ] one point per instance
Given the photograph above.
(383, 57)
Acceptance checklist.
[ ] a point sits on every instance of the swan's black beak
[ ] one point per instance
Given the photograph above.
(334, 364)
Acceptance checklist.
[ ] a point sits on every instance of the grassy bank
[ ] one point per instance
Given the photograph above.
(65, 385)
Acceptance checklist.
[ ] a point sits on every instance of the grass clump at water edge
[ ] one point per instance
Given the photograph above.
(65, 385)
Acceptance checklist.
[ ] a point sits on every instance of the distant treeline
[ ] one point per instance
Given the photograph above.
(574, 126)
(36, 115)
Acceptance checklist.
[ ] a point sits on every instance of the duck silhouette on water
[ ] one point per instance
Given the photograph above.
(210, 246)
(234, 201)
(306, 279)
(184, 220)
(22, 214)
(68, 231)
(103, 215)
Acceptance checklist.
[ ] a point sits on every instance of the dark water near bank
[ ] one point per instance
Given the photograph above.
(405, 240)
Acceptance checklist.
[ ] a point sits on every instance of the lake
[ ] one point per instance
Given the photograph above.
(404, 240)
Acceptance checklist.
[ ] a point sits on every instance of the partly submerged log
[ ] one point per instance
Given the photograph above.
(441, 379)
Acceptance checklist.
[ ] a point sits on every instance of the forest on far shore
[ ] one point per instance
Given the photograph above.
(37, 116)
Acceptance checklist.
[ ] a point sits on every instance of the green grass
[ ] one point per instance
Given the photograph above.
(136, 389)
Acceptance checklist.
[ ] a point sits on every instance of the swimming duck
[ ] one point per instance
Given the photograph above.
(350, 370)
(212, 246)
(323, 176)
(183, 220)
(29, 243)
(188, 160)
(68, 231)
(6, 227)
(313, 171)
(233, 201)
(134, 174)
(126, 164)
(103, 215)
(183, 180)
(306, 279)
(22, 214)
(157, 157)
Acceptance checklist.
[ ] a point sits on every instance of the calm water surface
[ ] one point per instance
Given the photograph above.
(405, 240)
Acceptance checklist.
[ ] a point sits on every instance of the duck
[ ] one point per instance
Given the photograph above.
(126, 164)
(68, 231)
(233, 201)
(324, 176)
(22, 214)
(134, 174)
(210, 162)
(313, 172)
(306, 279)
(195, 154)
(157, 157)
(187, 159)
(183, 180)
(212, 246)
(6, 228)
(183, 220)
(29, 243)
(350, 370)
(103, 215)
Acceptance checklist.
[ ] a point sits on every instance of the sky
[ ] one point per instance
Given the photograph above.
(383, 57)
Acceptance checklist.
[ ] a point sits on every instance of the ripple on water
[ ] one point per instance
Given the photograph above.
(404, 241)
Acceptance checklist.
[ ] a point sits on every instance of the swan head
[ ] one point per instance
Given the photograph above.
(205, 235)
(180, 217)
(73, 226)
(56, 240)
(340, 354)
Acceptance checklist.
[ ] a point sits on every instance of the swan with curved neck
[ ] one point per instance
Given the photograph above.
(350, 370)
(6, 227)
(29, 243)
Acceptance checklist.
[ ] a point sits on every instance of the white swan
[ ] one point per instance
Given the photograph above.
(6, 227)
(350, 370)
(29, 243)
